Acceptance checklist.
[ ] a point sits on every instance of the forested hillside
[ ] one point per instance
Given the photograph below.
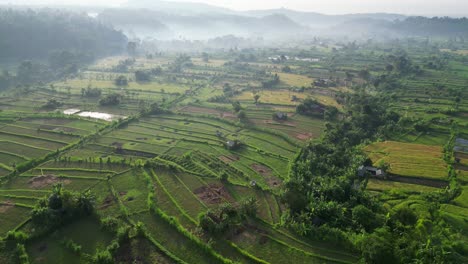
(35, 34)
(436, 26)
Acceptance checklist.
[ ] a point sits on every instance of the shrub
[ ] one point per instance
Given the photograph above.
(111, 99)
(103, 257)
(364, 217)
(22, 255)
(142, 76)
(17, 236)
(121, 81)
(110, 224)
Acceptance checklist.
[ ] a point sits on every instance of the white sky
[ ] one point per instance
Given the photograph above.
(426, 7)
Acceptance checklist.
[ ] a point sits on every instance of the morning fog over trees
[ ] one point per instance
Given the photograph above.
(233, 131)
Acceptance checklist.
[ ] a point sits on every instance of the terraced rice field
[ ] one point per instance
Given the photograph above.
(410, 160)
(32, 138)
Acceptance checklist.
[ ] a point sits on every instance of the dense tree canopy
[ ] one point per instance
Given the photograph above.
(32, 34)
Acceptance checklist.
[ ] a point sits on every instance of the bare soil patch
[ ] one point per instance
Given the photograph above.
(273, 182)
(460, 155)
(57, 128)
(228, 115)
(283, 123)
(5, 206)
(228, 159)
(65, 129)
(304, 136)
(45, 181)
(61, 121)
(262, 170)
(108, 201)
(461, 167)
(201, 110)
(213, 194)
(245, 237)
(47, 127)
(117, 144)
(266, 172)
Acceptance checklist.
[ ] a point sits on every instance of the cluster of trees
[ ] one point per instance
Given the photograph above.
(52, 104)
(62, 206)
(435, 26)
(228, 93)
(60, 64)
(274, 80)
(154, 109)
(29, 72)
(6, 80)
(111, 99)
(182, 61)
(328, 201)
(66, 62)
(142, 76)
(246, 58)
(91, 92)
(310, 107)
(62, 41)
(401, 64)
(220, 220)
(123, 65)
(121, 81)
(33, 34)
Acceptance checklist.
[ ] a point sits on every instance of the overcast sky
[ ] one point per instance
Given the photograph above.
(426, 7)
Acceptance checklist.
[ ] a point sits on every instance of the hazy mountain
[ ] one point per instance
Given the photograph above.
(310, 19)
(136, 23)
(179, 20)
(163, 25)
(313, 19)
(180, 8)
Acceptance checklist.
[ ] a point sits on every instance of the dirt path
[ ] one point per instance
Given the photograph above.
(5, 206)
(419, 181)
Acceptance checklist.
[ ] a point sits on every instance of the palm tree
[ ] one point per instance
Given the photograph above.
(256, 97)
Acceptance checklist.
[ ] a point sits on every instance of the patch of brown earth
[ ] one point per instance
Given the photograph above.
(200, 110)
(460, 155)
(266, 172)
(61, 121)
(65, 129)
(228, 115)
(45, 181)
(245, 237)
(58, 129)
(213, 194)
(262, 170)
(273, 182)
(229, 159)
(5, 206)
(304, 136)
(250, 233)
(263, 240)
(47, 127)
(108, 201)
(461, 167)
(117, 144)
(276, 122)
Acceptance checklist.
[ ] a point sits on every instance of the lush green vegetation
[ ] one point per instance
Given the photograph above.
(232, 156)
